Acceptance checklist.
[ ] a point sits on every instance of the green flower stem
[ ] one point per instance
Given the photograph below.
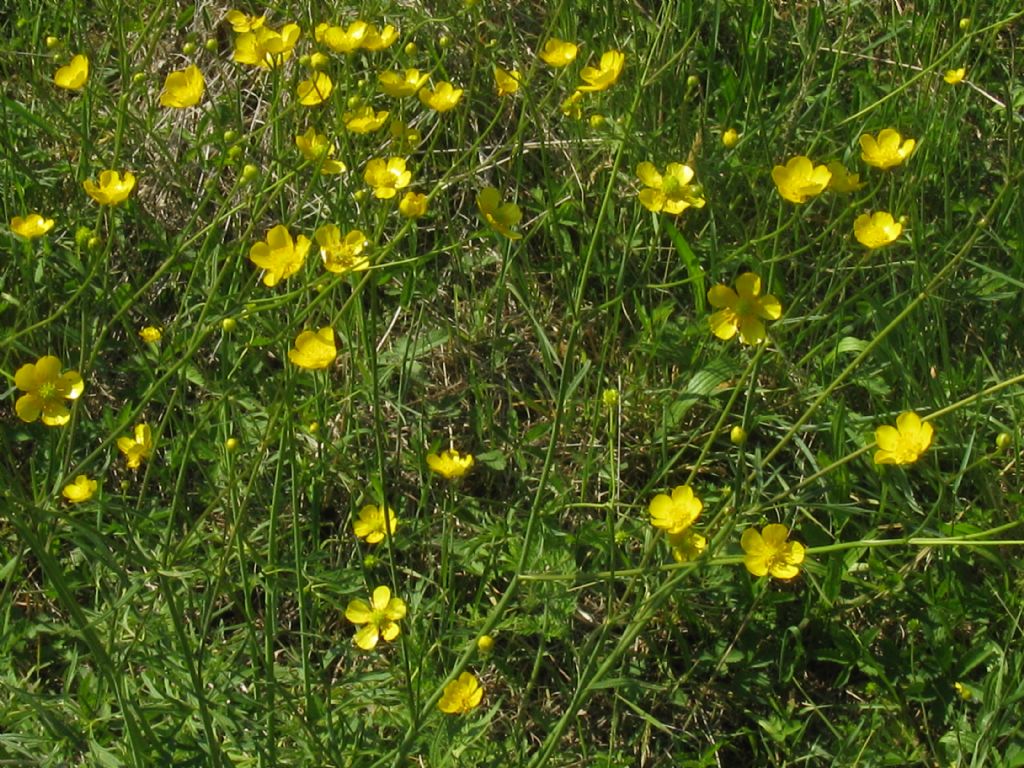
(971, 540)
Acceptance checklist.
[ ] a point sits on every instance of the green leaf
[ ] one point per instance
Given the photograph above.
(693, 267)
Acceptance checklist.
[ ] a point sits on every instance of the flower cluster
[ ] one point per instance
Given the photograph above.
(389, 176)
(558, 54)
(799, 180)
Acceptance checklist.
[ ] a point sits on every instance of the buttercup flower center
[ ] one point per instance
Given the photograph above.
(48, 391)
(745, 307)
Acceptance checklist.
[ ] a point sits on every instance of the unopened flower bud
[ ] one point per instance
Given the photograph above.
(965, 24)
(250, 172)
(738, 435)
(1003, 441)
(411, 49)
(318, 61)
(485, 643)
(52, 42)
(228, 324)
(82, 237)
(730, 138)
(210, 45)
(188, 48)
(230, 444)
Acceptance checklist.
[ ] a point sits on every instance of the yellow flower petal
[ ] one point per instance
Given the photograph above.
(74, 75)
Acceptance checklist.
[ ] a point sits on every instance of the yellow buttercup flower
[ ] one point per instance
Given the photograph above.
(379, 618)
(461, 695)
(279, 255)
(266, 48)
(886, 151)
(316, 146)
(954, 76)
(112, 188)
(687, 546)
(742, 310)
(500, 216)
(46, 388)
(842, 180)
(342, 254)
(365, 120)
(443, 97)
(674, 514)
(150, 334)
(605, 74)
(558, 53)
(241, 22)
(768, 553)
(342, 40)
(378, 41)
(730, 138)
(401, 84)
(387, 176)
(31, 225)
(375, 523)
(413, 205)
(507, 82)
(672, 192)
(450, 464)
(314, 351)
(874, 230)
(82, 489)
(74, 75)
(904, 443)
(315, 90)
(183, 88)
(799, 179)
(139, 448)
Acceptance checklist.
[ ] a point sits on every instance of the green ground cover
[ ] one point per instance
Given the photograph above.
(741, 388)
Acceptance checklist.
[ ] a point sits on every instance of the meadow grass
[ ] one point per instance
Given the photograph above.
(196, 609)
